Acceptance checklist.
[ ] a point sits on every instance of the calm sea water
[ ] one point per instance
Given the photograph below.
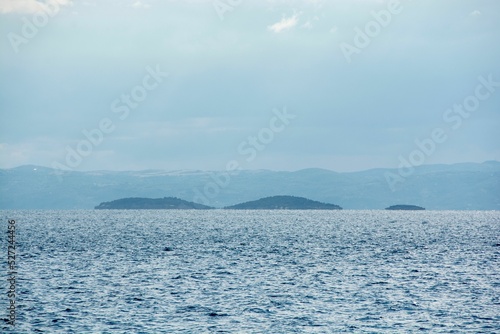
(255, 271)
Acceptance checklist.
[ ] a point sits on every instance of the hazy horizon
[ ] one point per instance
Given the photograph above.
(259, 169)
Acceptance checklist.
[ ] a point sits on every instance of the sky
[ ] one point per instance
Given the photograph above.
(344, 85)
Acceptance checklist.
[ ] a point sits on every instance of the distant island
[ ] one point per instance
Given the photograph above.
(174, 203)
(284, 203)
(404, 207)
(166, 203)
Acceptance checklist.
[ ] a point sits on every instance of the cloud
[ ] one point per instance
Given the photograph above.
(309, 23)
(284, 24)
(140, 5)
(475, 13)
(31, 6)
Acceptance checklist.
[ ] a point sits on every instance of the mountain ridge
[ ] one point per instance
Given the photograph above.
(465, 186)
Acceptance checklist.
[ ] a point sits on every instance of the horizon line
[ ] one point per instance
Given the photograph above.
(254, 170)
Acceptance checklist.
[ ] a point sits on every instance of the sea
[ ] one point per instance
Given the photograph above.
(225, 271)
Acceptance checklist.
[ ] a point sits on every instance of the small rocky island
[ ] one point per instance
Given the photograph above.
(404, 207)
(284, 203)
(166, 203)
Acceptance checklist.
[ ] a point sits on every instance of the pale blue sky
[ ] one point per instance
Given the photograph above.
(227, 75)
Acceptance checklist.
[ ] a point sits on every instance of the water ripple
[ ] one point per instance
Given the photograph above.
(257, 271)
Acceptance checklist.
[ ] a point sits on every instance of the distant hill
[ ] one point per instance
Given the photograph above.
(166, 203)
(284, 203)
(404, 207)
(468, 186)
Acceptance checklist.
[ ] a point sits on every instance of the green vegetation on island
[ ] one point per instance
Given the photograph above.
(284, 203)
(166, 203)
(404, 207)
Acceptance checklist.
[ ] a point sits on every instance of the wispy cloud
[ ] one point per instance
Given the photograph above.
(309, 23)
(284, 24)
(140, 5)
(475, 13)
(30, 6)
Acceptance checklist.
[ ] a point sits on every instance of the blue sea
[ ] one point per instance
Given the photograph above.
(224, 271)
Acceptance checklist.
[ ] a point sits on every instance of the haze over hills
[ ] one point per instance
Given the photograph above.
(469, 186)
